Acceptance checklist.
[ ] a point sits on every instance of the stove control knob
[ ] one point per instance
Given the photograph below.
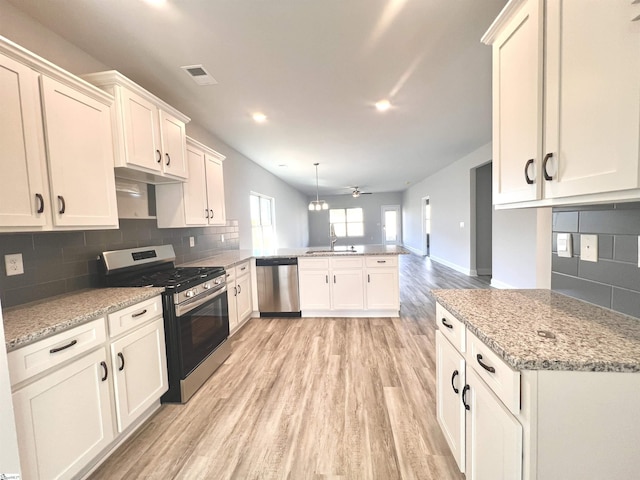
(190, 293)
(207, 286)
(217, 281)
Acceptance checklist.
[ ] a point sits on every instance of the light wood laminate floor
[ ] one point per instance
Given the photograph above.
(311, 398)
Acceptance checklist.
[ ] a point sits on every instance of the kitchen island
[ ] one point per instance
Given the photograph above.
(532, 384)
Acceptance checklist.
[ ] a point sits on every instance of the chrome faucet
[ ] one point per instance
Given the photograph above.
(332, 236)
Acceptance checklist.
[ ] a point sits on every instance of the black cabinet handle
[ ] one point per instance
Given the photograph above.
(239, 289)
(235, 291)
(121, 357)
(464, 397)
(484, 365)
(243, 269)
(206, 212)
(453, 377)
(547, 177)
(106, 371)
(168, 159)
(41, 203)
(382, 261)
(159, 159)
(139, 314)
(526, 171)
(326, 277)
(368, 278)
(63, 204)
(446, 324)
(64, 347)
(211, 213)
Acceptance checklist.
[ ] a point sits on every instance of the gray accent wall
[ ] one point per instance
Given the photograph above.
(371, 208)
(612, 282)
(484, 219)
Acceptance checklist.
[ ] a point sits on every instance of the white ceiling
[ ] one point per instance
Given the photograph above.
(315, 68)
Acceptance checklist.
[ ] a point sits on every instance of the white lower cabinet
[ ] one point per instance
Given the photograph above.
(493, 435)
(140, 371)
(239, 294)
(315, 291)
(65, 388)
(64, 420)
(347, 291)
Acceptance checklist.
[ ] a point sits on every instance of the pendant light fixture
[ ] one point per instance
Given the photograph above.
(317, 204)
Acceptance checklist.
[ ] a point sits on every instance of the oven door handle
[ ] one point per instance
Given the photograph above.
(196, 302)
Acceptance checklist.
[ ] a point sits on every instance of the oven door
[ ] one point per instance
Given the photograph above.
(203, 325)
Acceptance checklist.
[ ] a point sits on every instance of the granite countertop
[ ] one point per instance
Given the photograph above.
(31, 322)
(586, 337)
(233, 257)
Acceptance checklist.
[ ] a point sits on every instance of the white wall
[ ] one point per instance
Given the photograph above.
(9, 460)
(240, 173)
(450, 193)
(522, 248)
(372, 212)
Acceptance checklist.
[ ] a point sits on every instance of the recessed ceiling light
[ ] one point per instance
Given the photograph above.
(156, 3)
(383, 105)
(259, 117)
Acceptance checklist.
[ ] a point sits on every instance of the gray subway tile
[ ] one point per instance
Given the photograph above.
(15, 243)
(565, 221)
(626, 301)
(57, 239)
(568, 266)
(592, 292)
(605, 247)
(617, 222)
(625, 248)
(625, 275)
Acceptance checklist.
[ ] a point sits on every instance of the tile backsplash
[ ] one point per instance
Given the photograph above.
(614, 280)
(60, 262)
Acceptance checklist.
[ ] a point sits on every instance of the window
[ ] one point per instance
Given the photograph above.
(263, 230)
(348, 222)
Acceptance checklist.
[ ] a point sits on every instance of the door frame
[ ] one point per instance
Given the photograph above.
(398, 211)
(423, 226)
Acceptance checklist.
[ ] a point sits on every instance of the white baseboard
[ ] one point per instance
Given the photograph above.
(498, 284)
(417, 251)
(454, 266)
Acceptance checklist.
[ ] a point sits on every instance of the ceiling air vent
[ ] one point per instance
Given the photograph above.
(199, 75)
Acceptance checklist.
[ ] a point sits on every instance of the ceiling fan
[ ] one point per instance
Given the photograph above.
(357, 192)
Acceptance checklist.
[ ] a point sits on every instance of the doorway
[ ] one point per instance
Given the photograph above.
(426, 227)
(391, 225)
(483, 220)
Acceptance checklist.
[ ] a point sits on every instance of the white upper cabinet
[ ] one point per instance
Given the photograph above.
(150, 136)
(566, 102)
(56, 148)
(22, 193)
(200, 200)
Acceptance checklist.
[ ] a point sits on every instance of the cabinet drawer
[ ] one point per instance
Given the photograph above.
(243, 268)
(313, 263)
(133, 316)
(351, 262)
(500, 377)
(32, 359)
(381, 261)
(452, 328)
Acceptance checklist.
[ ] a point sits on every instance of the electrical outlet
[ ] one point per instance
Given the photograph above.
(13, 264)
(222, 237)
(192, 241)
(589, 248)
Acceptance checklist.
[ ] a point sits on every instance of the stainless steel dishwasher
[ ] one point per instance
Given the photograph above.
(278, 287)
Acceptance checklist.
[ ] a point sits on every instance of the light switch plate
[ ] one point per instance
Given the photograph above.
(13, 264)
(565, 245)
(589, 248)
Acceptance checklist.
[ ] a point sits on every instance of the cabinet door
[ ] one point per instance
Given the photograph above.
(64, 420)
(232, 295)
(315, 292)
(215, 191)
(450, 380)
(22, 194)
(245, 306)
(140, 371)
(592, 114)
(195, 190)
(141, 131)
(174, 140)
(347, 289)
(383, 290)
(80, 155)
(494, 436)
(517, 106)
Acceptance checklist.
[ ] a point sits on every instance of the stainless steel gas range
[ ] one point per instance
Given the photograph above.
(195, 308)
